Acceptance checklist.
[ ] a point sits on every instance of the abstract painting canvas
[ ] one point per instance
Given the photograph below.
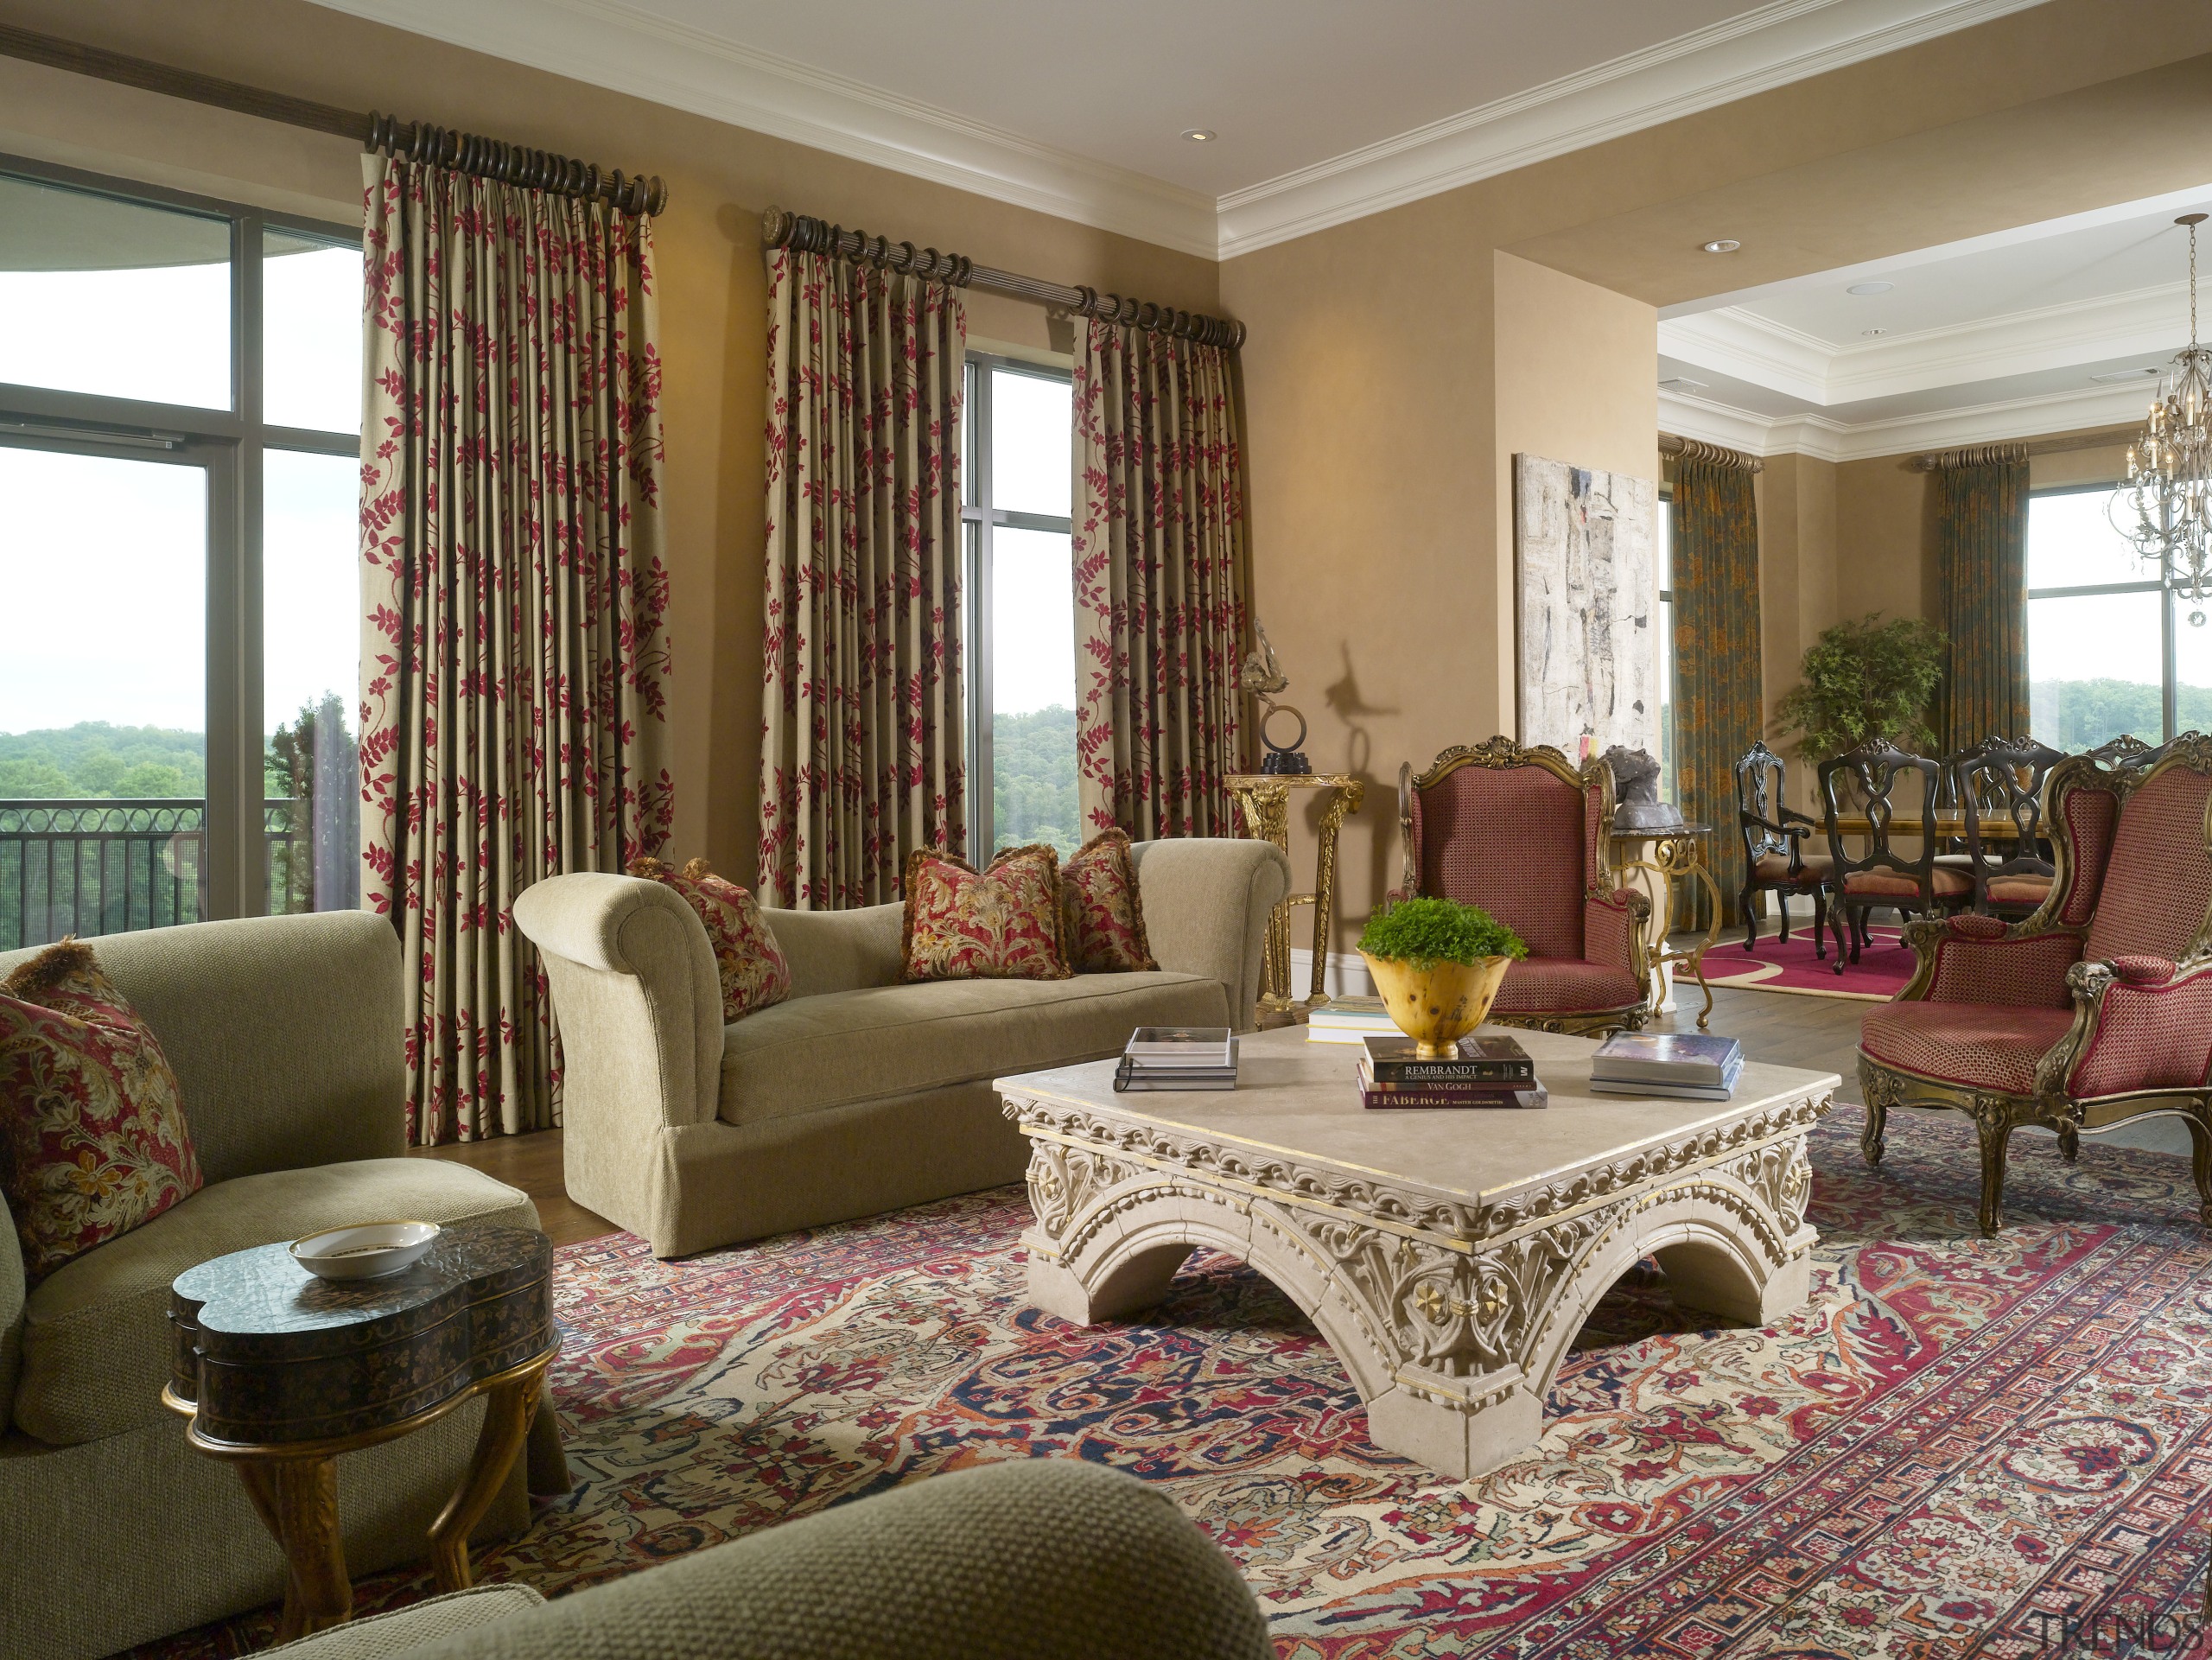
(1583, 547)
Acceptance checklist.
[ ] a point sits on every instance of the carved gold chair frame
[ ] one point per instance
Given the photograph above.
(1995, 1115)
(1502, 754)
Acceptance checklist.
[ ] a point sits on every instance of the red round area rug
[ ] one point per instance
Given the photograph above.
(1771, 965)
(1953, 1444)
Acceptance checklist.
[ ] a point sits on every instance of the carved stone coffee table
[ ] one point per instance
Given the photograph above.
(1447, 1257)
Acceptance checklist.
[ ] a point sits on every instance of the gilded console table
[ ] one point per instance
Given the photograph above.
(1677, 854)
(1264, 799)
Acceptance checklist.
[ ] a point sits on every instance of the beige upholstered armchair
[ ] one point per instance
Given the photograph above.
(858, 1094)
(285, 1034)
(1521, 833)
(2094, 1010)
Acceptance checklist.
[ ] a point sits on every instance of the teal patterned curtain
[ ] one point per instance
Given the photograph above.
(1981, 561)
(1717, 701)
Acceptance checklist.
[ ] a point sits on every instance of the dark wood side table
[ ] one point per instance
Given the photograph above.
(280, 1372)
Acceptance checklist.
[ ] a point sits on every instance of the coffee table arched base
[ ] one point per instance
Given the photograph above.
(1452, 1334)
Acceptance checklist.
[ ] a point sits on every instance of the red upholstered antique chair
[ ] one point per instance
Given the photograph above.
(1521, 833)
(2097, 1010)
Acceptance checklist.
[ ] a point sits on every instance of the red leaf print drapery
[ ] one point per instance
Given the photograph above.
(1159, 581)
(513, 661)
(864, 729)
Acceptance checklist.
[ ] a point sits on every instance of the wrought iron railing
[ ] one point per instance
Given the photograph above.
(91, 867)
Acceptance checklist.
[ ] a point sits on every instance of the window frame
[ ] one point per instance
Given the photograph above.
(228, 445)
(979, 518)
(2168, 695)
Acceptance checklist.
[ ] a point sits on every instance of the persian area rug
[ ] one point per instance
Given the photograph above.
(1955, 1442)
(1877, 976)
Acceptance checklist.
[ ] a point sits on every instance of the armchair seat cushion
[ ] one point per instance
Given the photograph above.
(1775, 868)
(95, 1333)
(1981, 1046)
(1946, 881)
(842, 1046)
(1563, 984)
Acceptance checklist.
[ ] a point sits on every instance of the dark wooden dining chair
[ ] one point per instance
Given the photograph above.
(2002, 779)
(1882, 876)
(1775, 859)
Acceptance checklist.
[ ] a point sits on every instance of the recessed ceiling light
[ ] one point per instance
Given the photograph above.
(1870, 288)
(2113, 376)
(1723, 245)
(1200, 135)
(1873, 331)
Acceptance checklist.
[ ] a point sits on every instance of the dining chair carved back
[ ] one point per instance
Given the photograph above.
(2125, 750)
(1775, 857)
(1521, 832)
(2001, 780)
(2095, 1009)
(1878, 772)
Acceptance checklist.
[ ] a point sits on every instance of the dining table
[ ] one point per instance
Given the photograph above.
(1945, 824)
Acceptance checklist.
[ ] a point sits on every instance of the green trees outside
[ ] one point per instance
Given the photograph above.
(93, 761)
(2082, 713)
(1032, 780)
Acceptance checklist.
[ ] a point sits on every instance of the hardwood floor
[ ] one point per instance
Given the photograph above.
(1818, 1033)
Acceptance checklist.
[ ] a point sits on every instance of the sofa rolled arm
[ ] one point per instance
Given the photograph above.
(1007, 1562)
(637, 998)
(2140, 1023)
(1207, 903)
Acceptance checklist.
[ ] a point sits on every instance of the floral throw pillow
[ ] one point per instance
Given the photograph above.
(1101, 917)
(752, 968)
(999, 924)
(95, 1141)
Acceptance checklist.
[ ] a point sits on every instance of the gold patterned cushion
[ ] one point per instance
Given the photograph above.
(1101, 914)
(748, 961)
(94, 1140)
(1002, 923)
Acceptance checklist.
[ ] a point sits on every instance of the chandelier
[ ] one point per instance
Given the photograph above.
(2164, 510)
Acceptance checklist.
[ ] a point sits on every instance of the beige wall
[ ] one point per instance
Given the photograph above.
(713, 289)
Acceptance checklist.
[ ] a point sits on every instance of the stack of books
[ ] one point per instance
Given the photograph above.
(1349, 1020)
(1177, 1058)
(1488, 1071)
(1693, 1064)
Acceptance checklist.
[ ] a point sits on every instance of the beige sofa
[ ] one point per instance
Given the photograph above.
(1007, 1561)
(285, 1035)
(859, 1094)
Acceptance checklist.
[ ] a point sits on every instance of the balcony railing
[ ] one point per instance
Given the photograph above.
(91, 867)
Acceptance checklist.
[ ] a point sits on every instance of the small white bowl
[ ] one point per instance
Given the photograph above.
(367, 1250)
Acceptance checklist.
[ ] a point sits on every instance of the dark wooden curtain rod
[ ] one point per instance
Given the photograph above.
(1693, 449)
(785, 230)
(483, 158)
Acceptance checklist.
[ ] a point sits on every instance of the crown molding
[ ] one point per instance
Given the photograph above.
(1825, 438)
(1773, 45)
(2140, 322)
(605, 43)
(610, 44)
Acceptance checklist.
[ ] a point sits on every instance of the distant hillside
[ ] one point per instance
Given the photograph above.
(94, 761)
(1033, 784)
(2074, 714)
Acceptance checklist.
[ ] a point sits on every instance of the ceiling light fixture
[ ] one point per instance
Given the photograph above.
(1869, 332)
(1870, 288)
(1723, 245)
(2164, 510)
(1200, 135)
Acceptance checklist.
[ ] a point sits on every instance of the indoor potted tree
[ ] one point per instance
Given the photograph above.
(1865, 679)
(1438, 964)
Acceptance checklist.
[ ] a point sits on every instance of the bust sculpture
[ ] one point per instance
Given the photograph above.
(1636, 788)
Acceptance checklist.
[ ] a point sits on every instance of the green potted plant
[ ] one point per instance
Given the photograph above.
(1438, 964)
(1865, 679)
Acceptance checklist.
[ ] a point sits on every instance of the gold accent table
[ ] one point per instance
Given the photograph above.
(1676, 853)
(1446, 1258)
(1264, 799)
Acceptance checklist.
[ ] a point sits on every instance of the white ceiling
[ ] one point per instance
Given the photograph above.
(2002, 336)
(1327, 111)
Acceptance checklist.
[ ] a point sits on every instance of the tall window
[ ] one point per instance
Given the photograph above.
(2110, 650)
(180, 420)
(1663, 558)
(1018, 465)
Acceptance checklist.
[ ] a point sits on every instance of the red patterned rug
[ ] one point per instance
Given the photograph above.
(1956, 1442)
(1877, 976)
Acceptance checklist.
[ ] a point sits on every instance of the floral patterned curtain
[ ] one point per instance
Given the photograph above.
(1981, 559)
(1719, 702)
(511, 661)
(864, 729)
(1161, 576)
